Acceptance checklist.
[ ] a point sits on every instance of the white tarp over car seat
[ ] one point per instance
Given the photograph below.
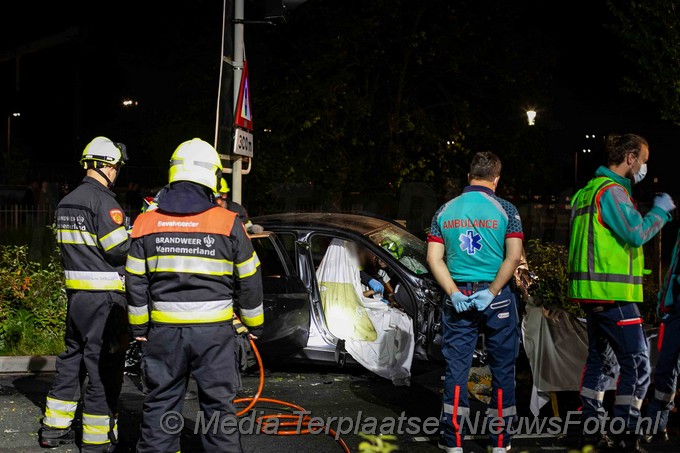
(376, 335)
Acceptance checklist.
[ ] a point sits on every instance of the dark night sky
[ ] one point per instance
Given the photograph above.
(588, 98)
(586, 94)
(121, 52)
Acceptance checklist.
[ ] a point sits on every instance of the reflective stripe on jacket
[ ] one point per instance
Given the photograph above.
(601, 267)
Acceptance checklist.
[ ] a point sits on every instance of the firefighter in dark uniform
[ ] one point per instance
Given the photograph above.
(91, 231)
(181, 271)
(223, 200)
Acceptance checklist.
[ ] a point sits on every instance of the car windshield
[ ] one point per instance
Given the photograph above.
(409, 250)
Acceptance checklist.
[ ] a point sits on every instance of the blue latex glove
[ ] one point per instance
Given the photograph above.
(376, 286)
(460, 302)
(482, 299)
(664, 201)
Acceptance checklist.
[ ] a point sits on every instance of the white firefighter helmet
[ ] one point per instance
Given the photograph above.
(102, 151)
(196, 161)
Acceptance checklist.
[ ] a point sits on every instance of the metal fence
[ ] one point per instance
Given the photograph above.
(17, 217)
(31, 226)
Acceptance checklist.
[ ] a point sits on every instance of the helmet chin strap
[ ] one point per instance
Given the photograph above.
(103, 175)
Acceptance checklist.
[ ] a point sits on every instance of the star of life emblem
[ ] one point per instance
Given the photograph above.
(470, 242)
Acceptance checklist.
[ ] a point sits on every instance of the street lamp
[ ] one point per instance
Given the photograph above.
(531, 117)
(9, 129)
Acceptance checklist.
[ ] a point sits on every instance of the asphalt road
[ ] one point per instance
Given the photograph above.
(324, 391)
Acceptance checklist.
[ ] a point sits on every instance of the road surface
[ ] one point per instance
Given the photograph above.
(360, 399)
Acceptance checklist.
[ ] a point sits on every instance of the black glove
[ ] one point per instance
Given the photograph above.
(244, 352)
(138, 332)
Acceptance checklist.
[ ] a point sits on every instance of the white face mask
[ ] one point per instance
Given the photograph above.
(640, 175)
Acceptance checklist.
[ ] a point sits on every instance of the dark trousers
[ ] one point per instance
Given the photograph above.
(172, 353)
(666, 371)
(96, 340)
(500, 325)
(615, 328)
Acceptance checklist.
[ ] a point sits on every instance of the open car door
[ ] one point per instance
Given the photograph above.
(286, 300)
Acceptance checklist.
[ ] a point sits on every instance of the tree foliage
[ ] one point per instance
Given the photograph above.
(650, 31)
(365, 96)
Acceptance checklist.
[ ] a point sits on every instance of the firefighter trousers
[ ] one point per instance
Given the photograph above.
(615, 334)
(666, 371)
(500, 325)
(96, 339)
(208, 353)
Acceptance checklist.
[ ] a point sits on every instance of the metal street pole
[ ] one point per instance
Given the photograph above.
(575, 169)
(238, 72)
(9, 128)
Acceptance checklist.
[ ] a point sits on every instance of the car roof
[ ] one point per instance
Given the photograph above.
(358, 223)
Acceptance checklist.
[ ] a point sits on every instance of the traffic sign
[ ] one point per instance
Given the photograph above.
(243, 117)
(243, 143)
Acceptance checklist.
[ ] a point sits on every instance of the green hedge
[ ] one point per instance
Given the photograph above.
(32, 303)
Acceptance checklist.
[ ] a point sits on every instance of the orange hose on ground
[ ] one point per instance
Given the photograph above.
(253, 399)
(274, 419)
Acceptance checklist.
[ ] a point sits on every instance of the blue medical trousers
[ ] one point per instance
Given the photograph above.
(666, 371)
(500, 325)
(615, 327)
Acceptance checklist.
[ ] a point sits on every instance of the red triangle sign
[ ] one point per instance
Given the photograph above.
(243, 116)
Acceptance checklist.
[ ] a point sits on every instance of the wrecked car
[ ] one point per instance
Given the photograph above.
(292, 249)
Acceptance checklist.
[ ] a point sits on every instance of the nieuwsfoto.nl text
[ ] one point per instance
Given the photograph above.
(173, 423)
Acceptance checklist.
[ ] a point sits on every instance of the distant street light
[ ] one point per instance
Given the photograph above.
(129, 103)
(531, 117)
(9, 130)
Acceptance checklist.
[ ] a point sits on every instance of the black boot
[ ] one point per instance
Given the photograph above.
(600, 442)
(53, 437)
(630, 443)
(660, 437)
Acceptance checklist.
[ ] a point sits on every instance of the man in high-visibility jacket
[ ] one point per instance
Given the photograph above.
(181, 274)
(93, 241)
(605, 268)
